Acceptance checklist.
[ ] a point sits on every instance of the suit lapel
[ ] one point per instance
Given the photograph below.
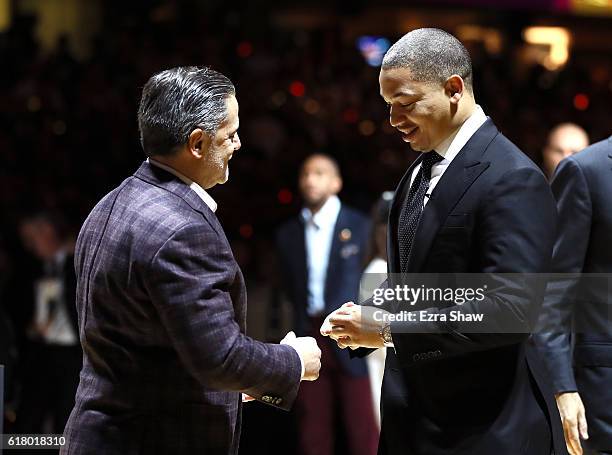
(164, 179)
(462, 172)
(334, 252)
(301, 261)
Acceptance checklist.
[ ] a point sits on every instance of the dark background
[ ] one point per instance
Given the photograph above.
(72, 72)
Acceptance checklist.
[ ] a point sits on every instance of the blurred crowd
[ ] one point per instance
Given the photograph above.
(68, 133)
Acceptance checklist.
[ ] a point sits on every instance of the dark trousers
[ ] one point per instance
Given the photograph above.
(50, 375)
(317, 402)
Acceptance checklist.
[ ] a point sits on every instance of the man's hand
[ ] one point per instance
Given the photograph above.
(574, 421)
(355, 326)
(308, 351)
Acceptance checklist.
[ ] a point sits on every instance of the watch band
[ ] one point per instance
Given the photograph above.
(385, 334)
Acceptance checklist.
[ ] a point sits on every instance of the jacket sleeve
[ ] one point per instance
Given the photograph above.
(553, 339)
(514, 232)
(191, 278)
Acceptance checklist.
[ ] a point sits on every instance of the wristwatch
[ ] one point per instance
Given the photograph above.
(385, 334)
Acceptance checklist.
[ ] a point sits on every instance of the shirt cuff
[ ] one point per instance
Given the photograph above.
(301, 364)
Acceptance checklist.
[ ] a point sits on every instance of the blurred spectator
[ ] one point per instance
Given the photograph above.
(564, 140)
(51, 366)
(374, 275)
(8, 347)
(321, 253)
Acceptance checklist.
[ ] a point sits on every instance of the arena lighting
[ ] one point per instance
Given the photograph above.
(591, 7)
(373, 48)
(246, 231)
(285, 196)
(581, 101)
(557, 38)
(5, 15)
(490, 37)
(297, 89)
(350, 115)
(244, 49)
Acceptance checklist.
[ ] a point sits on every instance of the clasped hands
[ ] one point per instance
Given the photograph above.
(351, 326)
(354, 326)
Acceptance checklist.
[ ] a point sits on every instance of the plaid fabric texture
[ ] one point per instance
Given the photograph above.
(162, 311)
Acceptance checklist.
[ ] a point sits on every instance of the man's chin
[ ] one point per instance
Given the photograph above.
(418, 147)
(313, 201)
(225, 177)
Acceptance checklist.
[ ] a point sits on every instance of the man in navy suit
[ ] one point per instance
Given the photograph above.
(161, 300)
(471, 203)
(321, 254)
(577, 310)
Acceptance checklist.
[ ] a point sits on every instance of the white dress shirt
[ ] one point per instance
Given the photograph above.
(450, 147)
(319, 234)
(201, 192)
(51, 310)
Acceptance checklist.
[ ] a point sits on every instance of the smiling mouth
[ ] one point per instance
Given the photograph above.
(409, 135)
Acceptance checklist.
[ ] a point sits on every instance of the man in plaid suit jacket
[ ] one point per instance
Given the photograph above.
(161, 300)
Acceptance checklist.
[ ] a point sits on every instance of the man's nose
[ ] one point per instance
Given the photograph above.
(394, 117)
(237, 144)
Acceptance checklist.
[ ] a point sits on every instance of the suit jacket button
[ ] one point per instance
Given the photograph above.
(266, 398)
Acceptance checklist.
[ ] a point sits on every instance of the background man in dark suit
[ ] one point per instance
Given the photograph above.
(52, 357)
(471, 203)
(161, 300)
(582, 186)
(321, 254)
(563, 140)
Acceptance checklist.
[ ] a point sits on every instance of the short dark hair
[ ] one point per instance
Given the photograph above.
(333, 161)
(53, 218)
(431, 55)
(176, 101)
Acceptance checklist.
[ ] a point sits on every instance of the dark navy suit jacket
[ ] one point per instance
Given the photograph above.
(162, 315)
(343, 272)
(582, 185)
(451, 393)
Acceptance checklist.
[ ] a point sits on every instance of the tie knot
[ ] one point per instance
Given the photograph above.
(430, 159)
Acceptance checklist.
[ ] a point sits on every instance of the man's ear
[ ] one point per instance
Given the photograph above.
(338, 185)
(199, 143)
(454, 88)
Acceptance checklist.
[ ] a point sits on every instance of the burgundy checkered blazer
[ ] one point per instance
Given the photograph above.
(162, 308)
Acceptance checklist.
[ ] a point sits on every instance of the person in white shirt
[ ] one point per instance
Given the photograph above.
(52, 359)
(321, 252)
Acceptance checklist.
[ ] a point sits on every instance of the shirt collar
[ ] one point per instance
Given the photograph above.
(326, 216)
(452, 145)
(201, 192)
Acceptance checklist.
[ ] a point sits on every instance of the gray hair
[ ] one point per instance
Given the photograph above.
(431, 55)
(176, 101)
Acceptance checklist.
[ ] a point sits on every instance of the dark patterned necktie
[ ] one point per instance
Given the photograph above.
(413, 207)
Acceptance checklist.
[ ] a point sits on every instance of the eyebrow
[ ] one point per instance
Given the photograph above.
(400, 94)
